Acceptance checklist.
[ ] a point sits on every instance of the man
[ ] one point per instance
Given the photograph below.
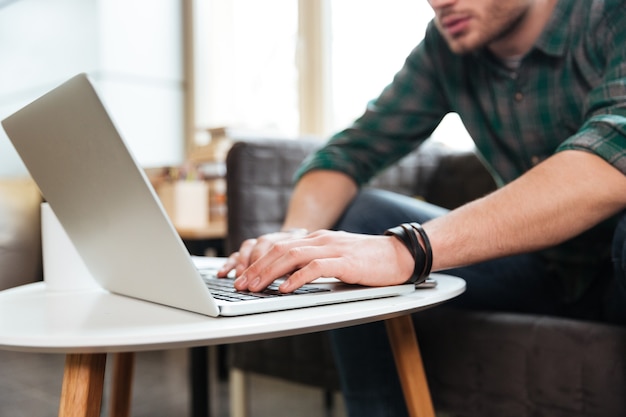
(541, 87)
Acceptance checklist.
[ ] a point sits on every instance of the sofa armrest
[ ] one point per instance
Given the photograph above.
(259, 177)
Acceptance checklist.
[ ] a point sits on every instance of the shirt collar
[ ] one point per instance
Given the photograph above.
(553, 39)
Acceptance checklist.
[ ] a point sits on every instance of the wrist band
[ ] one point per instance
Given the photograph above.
(408, 233)
(427, 248)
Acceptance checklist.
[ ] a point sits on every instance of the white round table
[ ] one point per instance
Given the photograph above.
(88, 324)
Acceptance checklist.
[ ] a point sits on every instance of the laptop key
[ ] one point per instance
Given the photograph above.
(223, 289)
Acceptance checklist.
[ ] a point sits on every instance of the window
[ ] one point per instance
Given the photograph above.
(245, 65)
(130, 48)
(173, 68)
(370, 41)
(289, 67)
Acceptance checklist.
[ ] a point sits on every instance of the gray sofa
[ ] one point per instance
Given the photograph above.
(478, 363)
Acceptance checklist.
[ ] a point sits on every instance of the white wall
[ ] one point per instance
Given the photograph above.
(131, 48)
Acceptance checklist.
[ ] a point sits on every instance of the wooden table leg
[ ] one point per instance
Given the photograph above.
(121, 384)
(83, 382)
(410, 367)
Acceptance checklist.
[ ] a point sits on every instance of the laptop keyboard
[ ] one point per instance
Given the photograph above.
(224, 289)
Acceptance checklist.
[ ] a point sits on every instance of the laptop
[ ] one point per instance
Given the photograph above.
(112, 215)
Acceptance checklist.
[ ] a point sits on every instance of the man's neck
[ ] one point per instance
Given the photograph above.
(523, 36)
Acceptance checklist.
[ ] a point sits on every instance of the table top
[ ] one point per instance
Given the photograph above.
(36, 319)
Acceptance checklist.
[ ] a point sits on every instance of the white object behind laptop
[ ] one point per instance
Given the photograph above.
(63, 268)
(112, 215)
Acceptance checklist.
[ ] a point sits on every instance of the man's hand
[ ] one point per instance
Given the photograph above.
(253, 249)
(352, 258)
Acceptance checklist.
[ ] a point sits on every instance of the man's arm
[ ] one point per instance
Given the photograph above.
(565, 195)
(557, 200)
(319, 199)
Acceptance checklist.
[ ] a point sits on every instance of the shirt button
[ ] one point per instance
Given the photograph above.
(519, 96)
(535, 160)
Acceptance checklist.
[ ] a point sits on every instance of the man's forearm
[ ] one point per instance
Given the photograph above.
(557, 200)
(319, 199)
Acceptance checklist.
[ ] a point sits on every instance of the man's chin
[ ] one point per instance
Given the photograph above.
(462, 45)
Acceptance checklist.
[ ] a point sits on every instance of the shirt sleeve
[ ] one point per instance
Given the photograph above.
(394, 124)
(604, 131)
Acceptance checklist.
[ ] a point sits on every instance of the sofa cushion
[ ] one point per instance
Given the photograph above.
(459, 177)
(519, 365)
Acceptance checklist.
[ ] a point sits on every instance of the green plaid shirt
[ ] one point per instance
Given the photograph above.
(568, 93)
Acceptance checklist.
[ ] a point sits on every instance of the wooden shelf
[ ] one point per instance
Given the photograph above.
(213, 230)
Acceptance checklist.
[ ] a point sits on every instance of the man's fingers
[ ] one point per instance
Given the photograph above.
(283, 259)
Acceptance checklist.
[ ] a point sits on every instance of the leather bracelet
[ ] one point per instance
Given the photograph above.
(407, 234)
(428, 249)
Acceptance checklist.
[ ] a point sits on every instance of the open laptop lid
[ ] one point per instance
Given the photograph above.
(103, 199)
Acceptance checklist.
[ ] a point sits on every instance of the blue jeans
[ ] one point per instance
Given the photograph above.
(369, 380)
